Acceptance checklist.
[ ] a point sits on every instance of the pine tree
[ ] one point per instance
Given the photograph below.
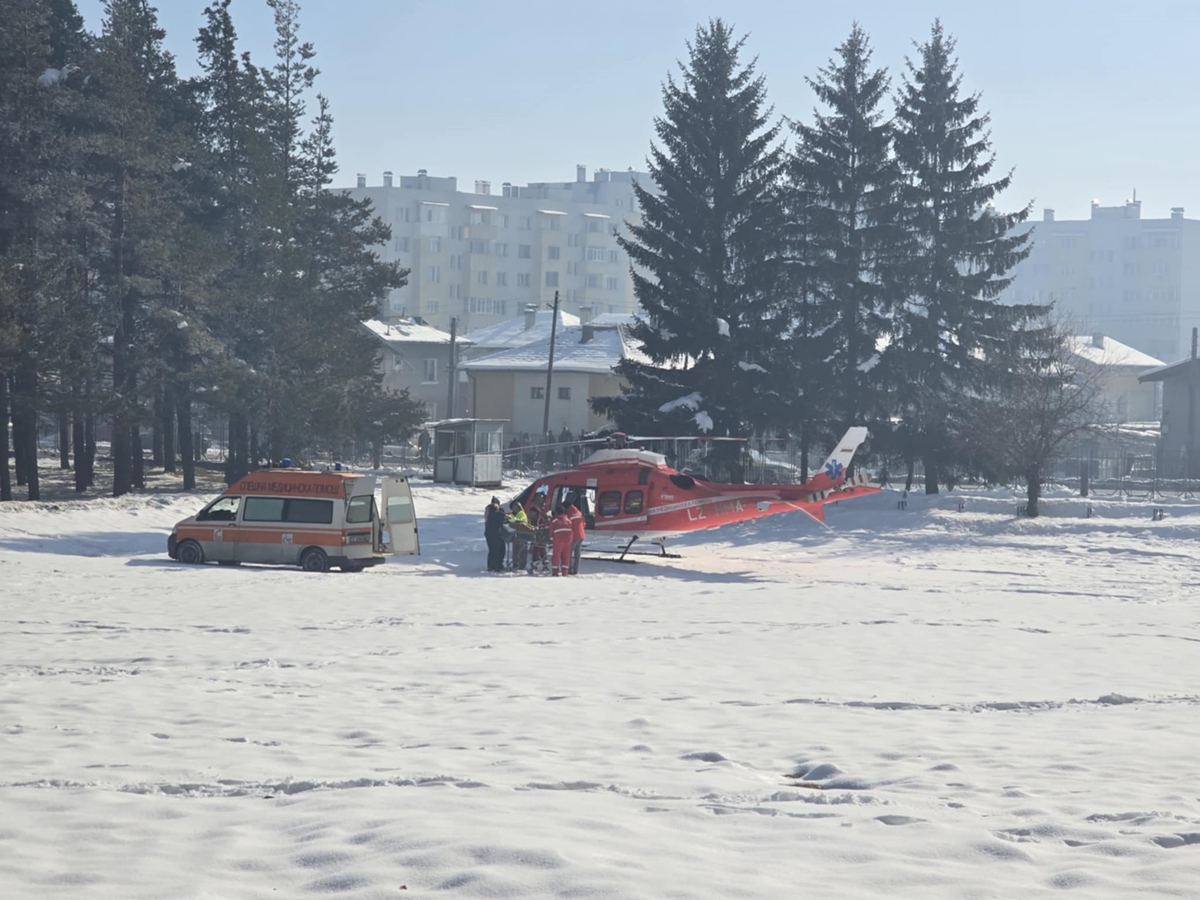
(137, 141)
(38, 200)
(951, 336)
(235, 236)
(849, 181)
(709, 252)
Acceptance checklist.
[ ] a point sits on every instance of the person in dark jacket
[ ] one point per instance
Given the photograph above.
(493, 523)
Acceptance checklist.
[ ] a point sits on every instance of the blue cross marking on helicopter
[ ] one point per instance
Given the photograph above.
(834, 469)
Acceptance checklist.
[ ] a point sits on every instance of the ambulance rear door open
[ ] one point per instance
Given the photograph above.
(399, 517)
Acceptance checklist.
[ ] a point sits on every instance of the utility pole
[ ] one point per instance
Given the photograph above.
(450, 412)
(550, 369)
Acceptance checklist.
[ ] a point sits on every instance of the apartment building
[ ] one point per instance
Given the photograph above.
(1116, 273)
(482, 257)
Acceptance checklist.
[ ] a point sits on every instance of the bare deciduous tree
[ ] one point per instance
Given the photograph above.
(1049, 400)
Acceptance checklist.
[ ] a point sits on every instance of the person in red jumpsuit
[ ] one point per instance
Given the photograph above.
(561, 533)
(579, 533)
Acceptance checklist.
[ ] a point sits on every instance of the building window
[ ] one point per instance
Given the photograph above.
(524, 251)
(481, 277)
(435, 214)
(487, 306)
(612, 256)
(435, 245)
(564, 393)
(523, 279)
(479, 217)
(593, 281)
(435, 274)
(596, 254)
(456, 261)
(402, 244)
(430, 372)
(459, 232)
(572, 268)
(501, 249)
(501, 279)
(456, 292)
(478, 246)
(402, 215)
(572, 240)
(525, 223)
(595, 226)
(552, 252)
(537, 393)
(501, 220)
(551, 279)
(610, 284)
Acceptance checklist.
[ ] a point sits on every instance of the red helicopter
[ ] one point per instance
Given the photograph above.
(628, 490)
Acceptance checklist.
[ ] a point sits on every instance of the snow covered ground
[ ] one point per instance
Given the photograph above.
(923, 703)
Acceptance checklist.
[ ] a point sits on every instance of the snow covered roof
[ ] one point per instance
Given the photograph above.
(605, 348)
(513, 333)
(607, 320)
(406, 331)
(1162, 373)
(1105, 351)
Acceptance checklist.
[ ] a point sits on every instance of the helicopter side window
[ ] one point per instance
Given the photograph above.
(609, 503)
(644, 476)
(687, 482)
(633, 503)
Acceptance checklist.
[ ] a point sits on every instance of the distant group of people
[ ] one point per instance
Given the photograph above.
(565, 528)
(544, 451)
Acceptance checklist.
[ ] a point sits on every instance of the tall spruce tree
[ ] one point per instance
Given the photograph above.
(849, 186)
(709, 253)
(137, 141)
(39, 198)
(951, 336)
(239, 221)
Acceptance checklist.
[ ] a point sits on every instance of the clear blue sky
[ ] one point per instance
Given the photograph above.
(1088, 99)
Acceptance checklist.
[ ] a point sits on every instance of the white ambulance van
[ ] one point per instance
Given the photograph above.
(295, 517)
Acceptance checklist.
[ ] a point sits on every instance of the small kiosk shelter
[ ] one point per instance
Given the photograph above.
(468, 451)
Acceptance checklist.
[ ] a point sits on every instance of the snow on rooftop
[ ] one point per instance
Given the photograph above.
(1105, 351)
(513, 333)
(406, 331)
(606, 348)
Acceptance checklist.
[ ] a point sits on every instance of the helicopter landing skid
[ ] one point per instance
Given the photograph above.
(622, 552)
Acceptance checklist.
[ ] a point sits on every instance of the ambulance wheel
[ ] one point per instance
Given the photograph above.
(314, 560)
(190, 553)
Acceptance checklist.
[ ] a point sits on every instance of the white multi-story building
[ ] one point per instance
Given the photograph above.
(482, 257)
(1116, 273)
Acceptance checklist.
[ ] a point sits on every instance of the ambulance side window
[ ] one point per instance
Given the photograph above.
(263, 509)
(609, 503)
(223, 509)
(311, 512)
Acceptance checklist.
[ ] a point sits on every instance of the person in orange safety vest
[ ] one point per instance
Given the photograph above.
(578, 533)
(561, 534)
